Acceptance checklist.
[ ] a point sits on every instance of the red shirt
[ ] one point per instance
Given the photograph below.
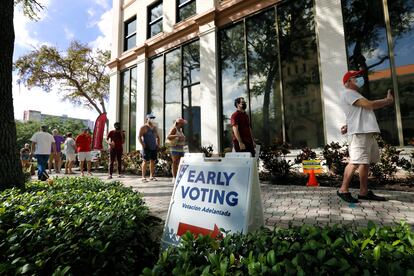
(117, 138)
(241, 119)
(83, 142)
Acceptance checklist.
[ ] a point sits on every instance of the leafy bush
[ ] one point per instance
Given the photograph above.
(80, 226)
(131, 161)
(207, 150)
(389, 161)
(164, 162)
(294, 251)
(305, 154)
(408, 165)
(334, 155)
(274, 161)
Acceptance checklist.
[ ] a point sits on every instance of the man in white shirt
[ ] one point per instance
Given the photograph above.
(361, 126)
(42, 145)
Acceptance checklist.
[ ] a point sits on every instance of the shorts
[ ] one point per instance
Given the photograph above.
(363, 149)
(148, 154)
(85, 155)
(70, 156)
(177, 151)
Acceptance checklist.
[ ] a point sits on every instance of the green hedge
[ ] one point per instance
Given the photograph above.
(79, 226)
(295, 251)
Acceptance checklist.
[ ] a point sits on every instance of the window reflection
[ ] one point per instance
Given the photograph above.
(156, 92)
(192, 113)
(233, 75)
(301, 88)
(128, 99)
(367, 48)
(133, 111)
(172, 87)
(402, 26)
(191, 63)
(185, 9)
(265, 102)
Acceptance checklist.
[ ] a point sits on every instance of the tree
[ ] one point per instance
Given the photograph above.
(80, 73)
(10, 168)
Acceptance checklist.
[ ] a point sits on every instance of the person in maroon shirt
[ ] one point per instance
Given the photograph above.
(115, 139)
(83, 146)
(242, 133)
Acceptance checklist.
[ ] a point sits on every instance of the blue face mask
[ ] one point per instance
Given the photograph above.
(359, 82)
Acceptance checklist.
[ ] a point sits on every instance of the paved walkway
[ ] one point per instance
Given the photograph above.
(296, 204)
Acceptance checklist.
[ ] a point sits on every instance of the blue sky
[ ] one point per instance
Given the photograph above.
(61, 22)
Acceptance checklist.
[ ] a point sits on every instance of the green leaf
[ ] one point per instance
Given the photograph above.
(332, 262)
(271, 258)
(365, 243)
(377, 252)
(321, 254)
(396, 242)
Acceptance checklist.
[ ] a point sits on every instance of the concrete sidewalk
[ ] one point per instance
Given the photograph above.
(296, 204)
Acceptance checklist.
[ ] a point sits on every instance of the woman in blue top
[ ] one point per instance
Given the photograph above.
(177, 143)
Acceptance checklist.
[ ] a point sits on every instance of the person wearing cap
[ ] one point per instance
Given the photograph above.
(361, 126)
(115, 139)
(177, 142)
(83, 147)
(43, 144)
(242, 133)
(149, 139)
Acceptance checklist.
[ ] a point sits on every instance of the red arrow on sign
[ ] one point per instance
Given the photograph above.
(184, 227)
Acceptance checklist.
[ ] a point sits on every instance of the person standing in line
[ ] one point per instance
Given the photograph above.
(115, 139)
(55, 160)
(70, 149)
(242, 133)
(149, 139)
(25, 156)
(83, 147)
(43, 144)
(177, 142)
(361, 126)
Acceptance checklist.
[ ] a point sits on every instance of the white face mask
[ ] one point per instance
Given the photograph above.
(359, 82)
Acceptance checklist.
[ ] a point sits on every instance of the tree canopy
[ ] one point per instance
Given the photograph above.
(80, 73)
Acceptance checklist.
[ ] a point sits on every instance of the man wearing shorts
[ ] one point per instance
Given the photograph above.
(149, 139)
(361, 126)
(83, 144)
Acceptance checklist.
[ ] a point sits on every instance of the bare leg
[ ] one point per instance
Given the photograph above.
(152, 168)
(50, 164)
(89, 164)
(70, 166)
(67, 166)
(57, 163)
(176, 161)
(82, 163)
(349, 172)
(144, 169)
(363, 178)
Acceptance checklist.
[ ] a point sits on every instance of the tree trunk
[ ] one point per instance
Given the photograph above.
(11, 174)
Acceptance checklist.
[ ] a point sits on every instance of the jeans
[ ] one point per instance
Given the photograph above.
(42, 160)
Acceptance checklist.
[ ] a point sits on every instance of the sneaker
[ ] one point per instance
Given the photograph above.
(153, 179)
(371, 196)
(110, 177)
(347, 197)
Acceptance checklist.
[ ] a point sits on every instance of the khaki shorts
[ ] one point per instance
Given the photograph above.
(71, 156)
(82, 156)
(363, 149)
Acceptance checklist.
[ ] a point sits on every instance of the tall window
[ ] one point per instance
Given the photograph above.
(367, 44)
(174, 91)
(128, 99)
(185, 9)
(154, 19)
(256, 54)
(130, 33)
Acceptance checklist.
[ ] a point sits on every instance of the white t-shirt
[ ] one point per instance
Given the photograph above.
(43, 142)
(70, 146)
(358, 119)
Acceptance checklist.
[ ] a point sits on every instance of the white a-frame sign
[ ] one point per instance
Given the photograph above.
(214, 193)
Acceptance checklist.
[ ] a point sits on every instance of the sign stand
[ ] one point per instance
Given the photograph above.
(214, 193)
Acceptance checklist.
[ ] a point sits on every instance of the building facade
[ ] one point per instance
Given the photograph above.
(192, 58)
(37, 116)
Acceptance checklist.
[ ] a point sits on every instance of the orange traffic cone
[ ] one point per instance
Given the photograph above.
(312, 181)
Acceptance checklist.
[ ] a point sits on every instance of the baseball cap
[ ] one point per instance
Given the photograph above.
(351, 74)
(180, 121)
(150, 116)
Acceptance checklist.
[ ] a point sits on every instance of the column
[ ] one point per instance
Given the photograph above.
(333, 58)
(142, 94)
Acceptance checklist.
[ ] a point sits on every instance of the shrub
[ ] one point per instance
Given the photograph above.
(164, 163)
(294, 251)
(389, 161)
(207, 150)
(334, 155)
(305, 154)
(274, 161)
(131, 161)
(80, 226)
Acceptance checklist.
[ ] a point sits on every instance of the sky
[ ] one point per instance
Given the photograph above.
(88, 21)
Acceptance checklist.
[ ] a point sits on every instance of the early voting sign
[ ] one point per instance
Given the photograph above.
(210, 194)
